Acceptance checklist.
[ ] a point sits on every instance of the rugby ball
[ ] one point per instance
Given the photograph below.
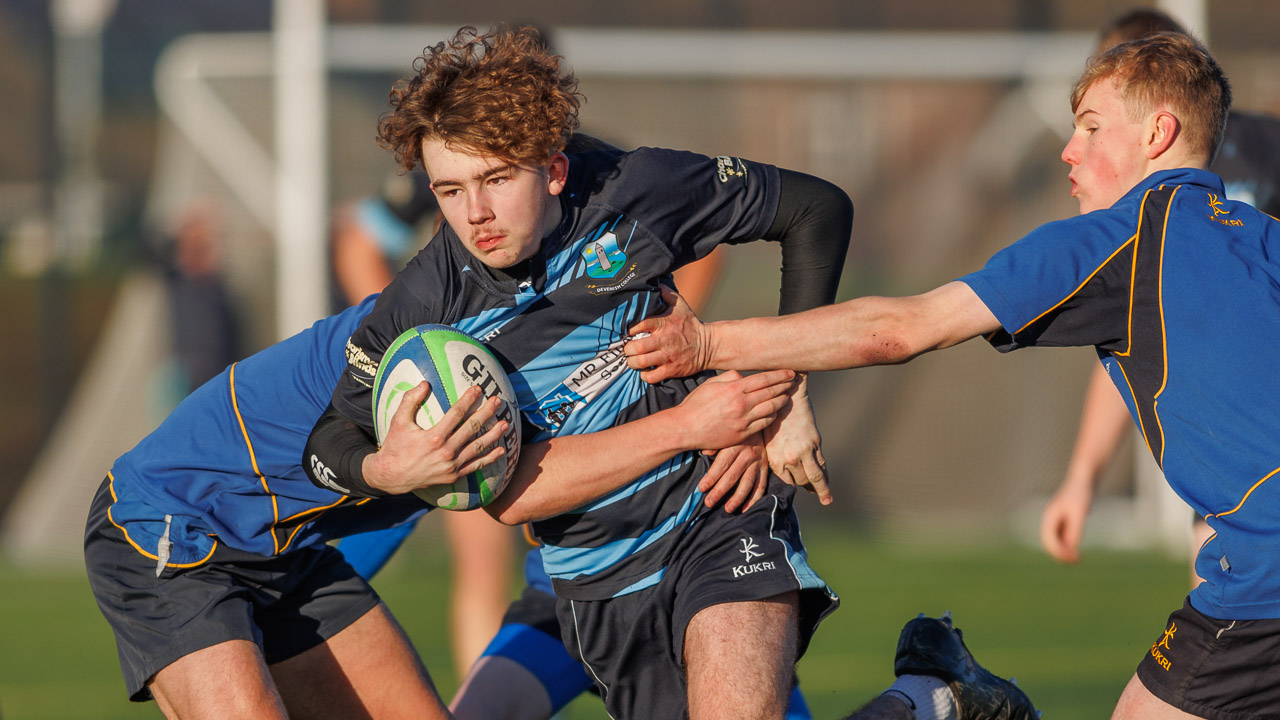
(451, 361)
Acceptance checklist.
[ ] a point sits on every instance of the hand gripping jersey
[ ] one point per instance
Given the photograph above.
(1179, 290)
(225, 465)
(629, 220)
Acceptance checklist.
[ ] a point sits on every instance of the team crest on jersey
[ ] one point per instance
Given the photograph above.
(604, 258)
(606, 261)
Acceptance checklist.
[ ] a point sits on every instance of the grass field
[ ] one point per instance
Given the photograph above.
(1072, 636)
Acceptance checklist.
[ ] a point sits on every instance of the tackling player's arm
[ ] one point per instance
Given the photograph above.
(859, 332)
(812, 225)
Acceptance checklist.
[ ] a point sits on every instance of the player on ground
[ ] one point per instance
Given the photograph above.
(1176, 287)
(1249, 165)
(549, 259)
(206, 544)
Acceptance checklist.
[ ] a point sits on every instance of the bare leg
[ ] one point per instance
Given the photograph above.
(482, 551)
(369, 670)
(229, 679)
(740, 658)
(1137, 703)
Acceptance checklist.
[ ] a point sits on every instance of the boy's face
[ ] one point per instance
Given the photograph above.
(1106, 152)
(499, 210)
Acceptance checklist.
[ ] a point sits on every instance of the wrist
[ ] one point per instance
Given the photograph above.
(800, 389)
(373, 472)
(717, 355)
(1080, 481)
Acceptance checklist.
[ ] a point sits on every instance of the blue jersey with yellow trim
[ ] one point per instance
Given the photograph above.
(225, 465)
(629, 220)
(1179, 290)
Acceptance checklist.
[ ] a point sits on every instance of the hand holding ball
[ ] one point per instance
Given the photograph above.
(451, 362)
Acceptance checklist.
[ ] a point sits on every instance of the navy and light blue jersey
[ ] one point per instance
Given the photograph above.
(629, 220)
(225, 465)
(1179, 290)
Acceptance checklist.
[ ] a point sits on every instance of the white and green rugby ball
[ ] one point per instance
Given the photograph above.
(451, 361)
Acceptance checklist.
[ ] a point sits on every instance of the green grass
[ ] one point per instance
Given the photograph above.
(1072, 636)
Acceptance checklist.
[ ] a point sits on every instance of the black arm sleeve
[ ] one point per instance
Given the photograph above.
(335, 453)
(813, 225)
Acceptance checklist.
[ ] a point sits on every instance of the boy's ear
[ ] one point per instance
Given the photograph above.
(1164, 129)
(557, 173)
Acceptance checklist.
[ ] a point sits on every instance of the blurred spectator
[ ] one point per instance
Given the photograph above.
(375, 236)
(205, 333)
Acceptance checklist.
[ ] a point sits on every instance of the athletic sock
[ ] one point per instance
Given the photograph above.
(927, 696)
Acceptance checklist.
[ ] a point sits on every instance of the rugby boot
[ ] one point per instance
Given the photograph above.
(931, 646)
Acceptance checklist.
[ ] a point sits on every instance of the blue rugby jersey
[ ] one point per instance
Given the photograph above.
(630, 219)
(1179, 290)
(224, 466)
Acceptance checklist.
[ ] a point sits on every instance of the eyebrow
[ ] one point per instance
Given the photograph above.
(1080, 115)
(478, 176)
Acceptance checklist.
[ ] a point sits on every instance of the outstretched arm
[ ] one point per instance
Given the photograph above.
(859, 332)
(812, 226)
(1102, 425)
(567, 472)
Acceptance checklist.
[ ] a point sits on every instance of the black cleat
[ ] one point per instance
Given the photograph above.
(931, 646)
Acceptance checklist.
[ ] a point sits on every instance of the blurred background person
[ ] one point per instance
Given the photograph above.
(204, 329)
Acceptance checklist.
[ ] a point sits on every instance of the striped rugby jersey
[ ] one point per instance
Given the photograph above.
(1179, 289)
(629, 220)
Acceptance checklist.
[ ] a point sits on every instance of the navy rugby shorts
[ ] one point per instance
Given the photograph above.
(1217, 669)
(285, 604)
(633, 644)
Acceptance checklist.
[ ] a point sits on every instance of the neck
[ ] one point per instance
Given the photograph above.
(554, 215)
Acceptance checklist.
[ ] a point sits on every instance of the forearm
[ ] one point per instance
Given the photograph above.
(835, 337)
(856, 333)
(1103, 422)
(564, 473)
(813, 225)
(336, 453)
